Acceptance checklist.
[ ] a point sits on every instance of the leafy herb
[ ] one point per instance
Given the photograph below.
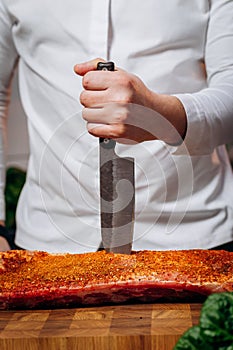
(15, 179)
(215, 329)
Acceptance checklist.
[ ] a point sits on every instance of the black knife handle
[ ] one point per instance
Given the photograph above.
(106, 66)
(105, 142)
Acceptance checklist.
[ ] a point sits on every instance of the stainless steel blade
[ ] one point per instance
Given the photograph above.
(117, 199)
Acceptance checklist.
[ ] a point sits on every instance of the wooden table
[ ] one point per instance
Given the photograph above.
(125, 327)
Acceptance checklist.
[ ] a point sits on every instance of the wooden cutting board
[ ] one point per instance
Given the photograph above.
(125, 327)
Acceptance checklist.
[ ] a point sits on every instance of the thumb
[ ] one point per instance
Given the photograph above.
(83, 68)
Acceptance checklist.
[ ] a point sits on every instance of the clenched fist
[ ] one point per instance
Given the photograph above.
(118, 105)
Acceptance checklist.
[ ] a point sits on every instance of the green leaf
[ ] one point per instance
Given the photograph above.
(15, 179)
(215, 329)
(216, 320)
(192, 340)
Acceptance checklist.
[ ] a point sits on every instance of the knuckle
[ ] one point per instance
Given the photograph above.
(121, 115)
(116, 131)
(125, 87)
(125, 79)
(127, 97)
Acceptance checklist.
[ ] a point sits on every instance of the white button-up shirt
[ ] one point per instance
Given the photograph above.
(183, 194)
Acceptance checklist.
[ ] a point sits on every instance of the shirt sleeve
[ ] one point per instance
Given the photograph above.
(210, 111)
(8, 58)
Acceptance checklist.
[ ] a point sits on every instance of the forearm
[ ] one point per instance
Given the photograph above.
(209, 112)
(171, 108)
(210, 117)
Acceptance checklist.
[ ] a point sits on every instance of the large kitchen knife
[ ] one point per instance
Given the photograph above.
(117, 193)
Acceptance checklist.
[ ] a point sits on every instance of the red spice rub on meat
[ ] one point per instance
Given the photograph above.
(39, 279)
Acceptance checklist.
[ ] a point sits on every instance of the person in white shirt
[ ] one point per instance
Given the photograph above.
(171, 93)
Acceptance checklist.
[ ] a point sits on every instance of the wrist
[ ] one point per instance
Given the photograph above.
(171, 108)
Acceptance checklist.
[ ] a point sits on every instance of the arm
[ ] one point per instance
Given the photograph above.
(210, 111)
(207, 114)
(8, 58)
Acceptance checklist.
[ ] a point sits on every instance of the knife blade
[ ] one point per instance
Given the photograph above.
(117, 193)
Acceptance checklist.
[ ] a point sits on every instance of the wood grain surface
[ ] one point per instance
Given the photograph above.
(124, 327)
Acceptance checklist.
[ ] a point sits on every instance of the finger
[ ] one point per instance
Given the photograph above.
(97, 115)
(94, 115)
(83, 68)
(100, 98)
(97, 80)
(92, 99)
(96, 129)
(121, 135)
(103, 130)
(108, 113)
